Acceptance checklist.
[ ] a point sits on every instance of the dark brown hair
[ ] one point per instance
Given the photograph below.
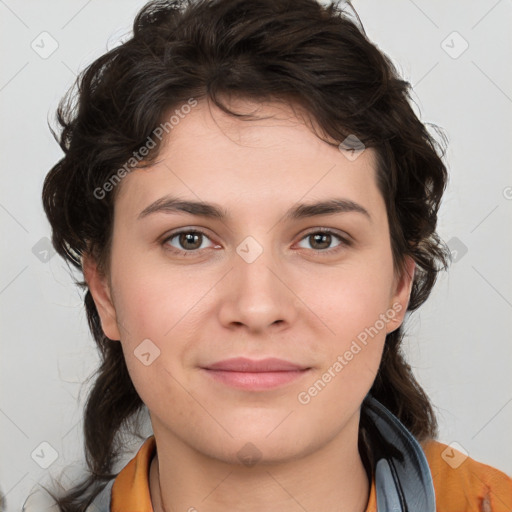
(295, 51)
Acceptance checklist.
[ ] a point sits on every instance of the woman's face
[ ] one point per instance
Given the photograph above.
(259, 281)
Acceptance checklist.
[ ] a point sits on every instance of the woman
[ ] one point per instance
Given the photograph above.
(253, 204)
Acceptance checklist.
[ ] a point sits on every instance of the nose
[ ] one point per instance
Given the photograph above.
(257, 294)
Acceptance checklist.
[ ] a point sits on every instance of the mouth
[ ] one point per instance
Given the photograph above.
(254, 375)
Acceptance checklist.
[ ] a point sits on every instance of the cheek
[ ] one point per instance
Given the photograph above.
(157, 312)
(151, 300)
(355, 310)
(354, 297)
(351, 350)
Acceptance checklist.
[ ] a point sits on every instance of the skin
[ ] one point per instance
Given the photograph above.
(294, 302)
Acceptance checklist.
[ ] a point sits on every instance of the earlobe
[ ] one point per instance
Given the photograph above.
(102, 297)
(401, 296)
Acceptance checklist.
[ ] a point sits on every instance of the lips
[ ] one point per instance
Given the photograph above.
(255, 375)
(242, 364)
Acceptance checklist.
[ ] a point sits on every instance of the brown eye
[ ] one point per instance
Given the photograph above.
(190, 240)
(184, 242)
(321, 241)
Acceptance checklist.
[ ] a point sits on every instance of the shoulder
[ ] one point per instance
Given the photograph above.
(462, 483)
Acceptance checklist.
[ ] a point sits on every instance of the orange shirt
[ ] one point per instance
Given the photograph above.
(461, 484)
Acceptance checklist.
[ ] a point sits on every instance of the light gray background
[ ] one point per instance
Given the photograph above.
(459, 343)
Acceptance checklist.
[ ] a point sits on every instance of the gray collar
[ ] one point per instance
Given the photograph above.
(402, 476)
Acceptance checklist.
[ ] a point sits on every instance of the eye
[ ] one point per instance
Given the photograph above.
(188, 241)
(321, 239)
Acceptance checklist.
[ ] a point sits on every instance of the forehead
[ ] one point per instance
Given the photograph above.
(213, 156)
(269, 129)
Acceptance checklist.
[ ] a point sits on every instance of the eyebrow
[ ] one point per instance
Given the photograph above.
(169, 204)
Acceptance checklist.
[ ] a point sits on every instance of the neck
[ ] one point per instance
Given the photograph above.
(330, 479)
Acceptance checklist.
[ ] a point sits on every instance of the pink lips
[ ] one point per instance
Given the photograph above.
(253, 374)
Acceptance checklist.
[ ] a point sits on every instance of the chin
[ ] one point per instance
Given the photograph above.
(256, 453)
(251, 446)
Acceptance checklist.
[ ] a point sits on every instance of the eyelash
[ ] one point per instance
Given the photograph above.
(344, 242)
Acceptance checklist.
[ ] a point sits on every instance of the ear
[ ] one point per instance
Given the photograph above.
(401, 294)
(101, 294)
